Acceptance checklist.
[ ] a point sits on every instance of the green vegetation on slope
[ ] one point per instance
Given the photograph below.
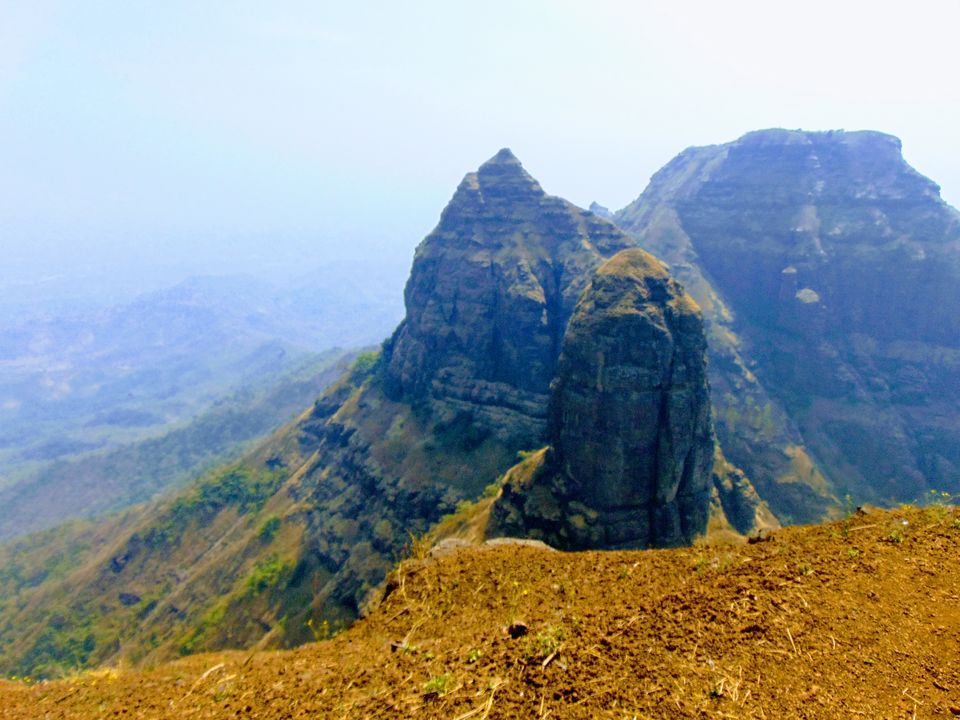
(79, 595)
(220, 564)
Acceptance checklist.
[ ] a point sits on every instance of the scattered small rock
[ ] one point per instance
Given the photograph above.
(517, 629)
(448, 546)
(128, 599)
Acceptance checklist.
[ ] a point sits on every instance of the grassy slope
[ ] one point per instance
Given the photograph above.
(215, 565)
(858, 617)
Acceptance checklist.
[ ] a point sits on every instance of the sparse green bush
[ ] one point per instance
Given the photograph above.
(321, 632)
(493, 488)
(364, 366)
(437, 686)
(191, 642)
(939, 504)
(267, 573)
(418, 546)
(546, 643)
(940, 498)
(68, 642)
(240, 487)
(268, 529)
(146, 606)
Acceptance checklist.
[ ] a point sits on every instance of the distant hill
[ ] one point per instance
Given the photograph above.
(95, 379)
(110, 480)
(88, 397)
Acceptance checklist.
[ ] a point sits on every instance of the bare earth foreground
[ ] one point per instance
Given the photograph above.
(858, 618)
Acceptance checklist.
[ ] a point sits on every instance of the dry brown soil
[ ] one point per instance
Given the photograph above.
(855, 619)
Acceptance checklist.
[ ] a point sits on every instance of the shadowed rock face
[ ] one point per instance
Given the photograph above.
(632, 440)
(829, 271)
(489, 297)
(461, 386)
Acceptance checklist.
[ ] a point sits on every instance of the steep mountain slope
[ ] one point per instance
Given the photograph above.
(856, 618)
(828, 270)
(153, 581)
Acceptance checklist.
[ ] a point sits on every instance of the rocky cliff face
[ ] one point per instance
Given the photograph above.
(828, 269)
(489, 297)
(463, 383)
(632, 444)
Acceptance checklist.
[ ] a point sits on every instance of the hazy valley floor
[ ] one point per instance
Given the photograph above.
(858, 618)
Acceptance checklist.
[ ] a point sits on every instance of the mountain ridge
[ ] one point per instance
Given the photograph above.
(827, 268)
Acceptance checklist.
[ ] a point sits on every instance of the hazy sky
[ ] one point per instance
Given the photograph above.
(272, 135)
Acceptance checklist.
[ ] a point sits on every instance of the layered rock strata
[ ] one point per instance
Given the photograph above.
(488, 300)
(828, 270)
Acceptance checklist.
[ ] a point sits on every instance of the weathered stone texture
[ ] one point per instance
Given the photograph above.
(489, 297)
(829, 270)
(629, 420)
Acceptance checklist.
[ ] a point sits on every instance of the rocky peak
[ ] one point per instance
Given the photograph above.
(843, 209)
(504, 162)
(631, 437)
(503, 177)
(598, 209)
(489, 297)
(829, 166)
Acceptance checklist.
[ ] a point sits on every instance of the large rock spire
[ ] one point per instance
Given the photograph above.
(632, 443)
